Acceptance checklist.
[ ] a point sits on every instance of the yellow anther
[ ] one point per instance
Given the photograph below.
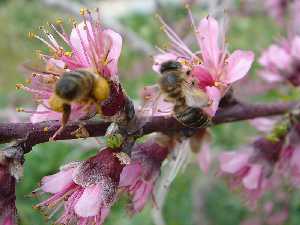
(218, 84)
(31, 34)
(82, 11)
(46, 129)
(19, 109)
(69, 54)
(147, 97)
(59, 21)
(19, 86)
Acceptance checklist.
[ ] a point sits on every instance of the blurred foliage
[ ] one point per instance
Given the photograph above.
(18, 17)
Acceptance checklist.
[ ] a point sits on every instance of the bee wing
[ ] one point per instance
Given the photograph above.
(194, 96)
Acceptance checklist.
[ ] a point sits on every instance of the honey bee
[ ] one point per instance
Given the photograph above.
(78, 86)
(188, 101)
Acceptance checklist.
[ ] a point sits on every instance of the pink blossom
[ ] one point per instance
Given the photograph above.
(241, 172)
(154, 104)
(289, 164)
(139, 178)
(214, 69)
(84, 191)
(89, 47)
(277, 9)
(264, 125)
(281, 62)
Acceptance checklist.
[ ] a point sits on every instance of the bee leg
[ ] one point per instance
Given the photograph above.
(64, 120)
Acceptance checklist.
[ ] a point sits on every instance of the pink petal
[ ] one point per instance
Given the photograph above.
(251, 180)
(154, 103)
(275, 56)
(214, 96)
(239, 63)
(77, 112)
(51, 115)
(114, 51)
(270, 76)
(295, 51)
(263, 124)
(130, 174)
(56, 62)
(232, 162)
(207, 36)
(57, 182)
(90, 202)
(78, 45)
(104, 213)
(141, 196)
(204, 157)
(160, 58)
(203, 77)
(295, 160)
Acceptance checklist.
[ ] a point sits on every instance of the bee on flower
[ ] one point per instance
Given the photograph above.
(212, 70)
(80, 80)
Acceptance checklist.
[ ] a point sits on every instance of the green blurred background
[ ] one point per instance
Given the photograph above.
(220, 206)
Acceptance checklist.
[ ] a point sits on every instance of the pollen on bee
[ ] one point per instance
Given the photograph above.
(102, 89)
(28, 81)
(46, 129)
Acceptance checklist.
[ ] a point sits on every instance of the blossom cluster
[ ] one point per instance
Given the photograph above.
(83, 192)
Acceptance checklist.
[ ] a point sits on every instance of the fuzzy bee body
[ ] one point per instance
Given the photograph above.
(171, 83)
(75, 86)
(78, 86)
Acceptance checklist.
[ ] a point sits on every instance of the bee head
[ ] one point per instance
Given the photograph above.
(169, 66)
(67, 87)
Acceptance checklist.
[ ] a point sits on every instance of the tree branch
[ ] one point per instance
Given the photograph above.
(32, 134)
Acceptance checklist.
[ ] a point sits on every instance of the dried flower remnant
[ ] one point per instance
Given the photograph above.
(212, 68)
(83, 191)
(81, 79)
(139, 177)
(281, 62)
(8, 209)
